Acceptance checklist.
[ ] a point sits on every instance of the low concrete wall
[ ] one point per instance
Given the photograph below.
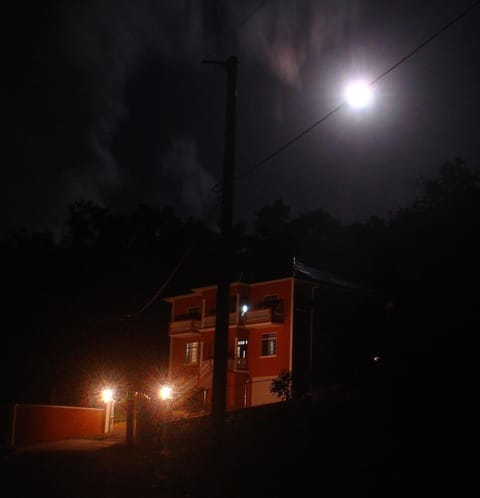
(31, 424)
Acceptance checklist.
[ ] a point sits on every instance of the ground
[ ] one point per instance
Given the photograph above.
(347, 449)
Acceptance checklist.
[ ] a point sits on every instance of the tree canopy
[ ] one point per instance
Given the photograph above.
(92, 298)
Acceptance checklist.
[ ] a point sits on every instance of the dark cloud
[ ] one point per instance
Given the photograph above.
(109, 100)
(285, 36)
(183, 170)
(69, 66)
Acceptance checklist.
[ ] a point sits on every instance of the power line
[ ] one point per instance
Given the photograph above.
(162, 288)
(290, 142)
(251, 14)
(428, 40)
(280, 149)
(255, 10)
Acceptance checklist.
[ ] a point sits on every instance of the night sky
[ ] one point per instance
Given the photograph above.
(109, 101)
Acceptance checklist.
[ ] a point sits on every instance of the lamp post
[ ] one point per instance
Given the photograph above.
(166, 395)
(107, 398)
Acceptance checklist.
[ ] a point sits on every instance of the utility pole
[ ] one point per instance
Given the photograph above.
(131, 415)
(220, 364)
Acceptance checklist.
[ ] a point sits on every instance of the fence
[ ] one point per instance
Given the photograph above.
(24, 424)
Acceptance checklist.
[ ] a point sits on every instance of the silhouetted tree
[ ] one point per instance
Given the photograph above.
(281, 386)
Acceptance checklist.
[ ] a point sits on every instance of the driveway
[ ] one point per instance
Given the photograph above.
(116, 437)
(94, 467)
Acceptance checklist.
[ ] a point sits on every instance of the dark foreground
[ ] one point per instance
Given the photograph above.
(292, 449)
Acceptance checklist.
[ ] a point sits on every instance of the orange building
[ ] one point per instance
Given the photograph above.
(271, 329)
(259, 339)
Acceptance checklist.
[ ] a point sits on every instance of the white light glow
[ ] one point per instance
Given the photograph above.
(166, 392)
(107, 395)
(244, 309)
(359, 94)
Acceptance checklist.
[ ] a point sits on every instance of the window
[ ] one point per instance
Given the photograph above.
(269, 344)
(241, 359)
(270, 299)
(194, 311)
(191, 352)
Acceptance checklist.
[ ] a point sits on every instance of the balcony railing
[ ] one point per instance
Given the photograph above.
(209, 321)
(241, 364)
(185, 326)
(260, 316)
(266, 315)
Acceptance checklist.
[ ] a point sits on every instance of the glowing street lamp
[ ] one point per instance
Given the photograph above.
(107, 395)
(107, 398)
(166, 392)
(359, 94)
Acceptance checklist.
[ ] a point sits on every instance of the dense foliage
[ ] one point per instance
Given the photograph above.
(88, 306)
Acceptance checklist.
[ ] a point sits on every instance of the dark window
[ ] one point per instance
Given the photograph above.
(194, 312)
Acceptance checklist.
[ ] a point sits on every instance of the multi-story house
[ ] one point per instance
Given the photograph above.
(274, 326)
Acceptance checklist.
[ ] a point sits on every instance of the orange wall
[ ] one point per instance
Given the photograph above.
(43, 423)
(262, 366)
(258, 366)
(210, 300)
(177, 365)
(182, 304)
(268, 365)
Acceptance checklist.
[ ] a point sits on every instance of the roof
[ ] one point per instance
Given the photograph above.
(197, 290)
(325, 277)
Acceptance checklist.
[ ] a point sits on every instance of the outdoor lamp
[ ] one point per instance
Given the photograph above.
(107, 395)
(166, 392)
(107, 398)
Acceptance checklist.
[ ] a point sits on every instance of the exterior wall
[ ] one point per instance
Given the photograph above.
(337, 331)
(182, 304)
(178, 366)
(324, 337)
(210, 301)
(261, 394)
(259, 365)
(241, 392)
(207, 339)
(238, 391)
(33, 424)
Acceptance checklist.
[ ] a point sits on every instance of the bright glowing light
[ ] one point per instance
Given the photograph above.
(107, 395)
(166, 392)
(244, 309)
(358, 94)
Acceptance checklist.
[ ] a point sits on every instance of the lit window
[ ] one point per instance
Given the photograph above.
(191, 352)
(242, 349)
(269, 344)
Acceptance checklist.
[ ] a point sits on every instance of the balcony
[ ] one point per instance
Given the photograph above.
(209, 321)
(240, 364)
(189, 326)
(262, 314)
